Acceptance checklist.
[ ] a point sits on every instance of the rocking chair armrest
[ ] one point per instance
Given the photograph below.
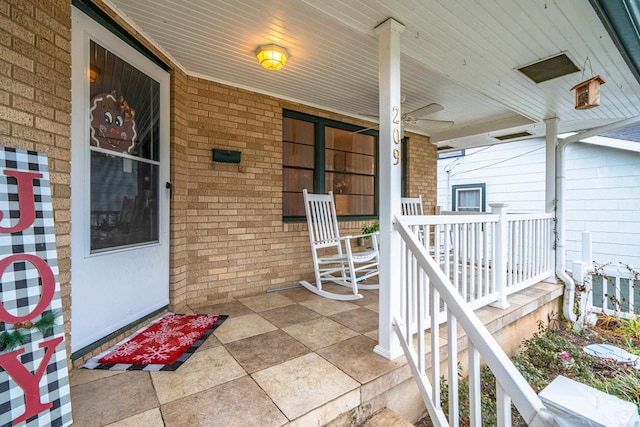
(357, 236)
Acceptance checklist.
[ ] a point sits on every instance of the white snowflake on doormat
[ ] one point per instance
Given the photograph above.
(164, 334)
(172, 318)
(153, 354)
(188, 339)
(201, 322)
(126, 349)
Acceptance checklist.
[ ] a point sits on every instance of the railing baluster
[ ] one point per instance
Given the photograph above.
(463, 267)
(435, 345)
(503, 407)
(490, 246)
(452, 345)
(456, 255)
(472, 255)
(481, 230)
(423, 286)
(475, 403)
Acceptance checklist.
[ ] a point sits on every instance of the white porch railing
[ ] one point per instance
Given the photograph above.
(612, 289)
(615, 290)
(489, 256)
(427, 289)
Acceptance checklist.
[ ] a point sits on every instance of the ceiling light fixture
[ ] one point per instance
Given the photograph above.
(271, 56)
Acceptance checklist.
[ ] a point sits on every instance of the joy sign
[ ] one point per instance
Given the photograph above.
(34, 384)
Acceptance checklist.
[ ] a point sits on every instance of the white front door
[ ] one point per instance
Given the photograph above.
(119, 171)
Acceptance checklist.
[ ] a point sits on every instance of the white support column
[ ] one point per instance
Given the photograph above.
(500, 257)
(550, 162)
(550, 178)
(390, 176)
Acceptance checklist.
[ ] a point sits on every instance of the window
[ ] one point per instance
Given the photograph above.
(469, 198)
(324, 155)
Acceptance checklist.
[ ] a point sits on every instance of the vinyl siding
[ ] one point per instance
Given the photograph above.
(602, 191)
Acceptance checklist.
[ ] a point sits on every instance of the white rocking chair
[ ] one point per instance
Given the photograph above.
(412, 205)
(333, 258)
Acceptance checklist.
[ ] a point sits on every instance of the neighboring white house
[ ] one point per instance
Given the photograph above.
(602, 189)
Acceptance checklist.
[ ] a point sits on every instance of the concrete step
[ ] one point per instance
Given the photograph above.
(387, 418)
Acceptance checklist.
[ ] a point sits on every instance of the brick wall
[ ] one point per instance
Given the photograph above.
(422, 171)
(237, 243)
(35, 103)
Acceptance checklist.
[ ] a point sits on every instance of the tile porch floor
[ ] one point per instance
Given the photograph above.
(289, 358)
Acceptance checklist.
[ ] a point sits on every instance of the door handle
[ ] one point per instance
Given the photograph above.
(169, 186)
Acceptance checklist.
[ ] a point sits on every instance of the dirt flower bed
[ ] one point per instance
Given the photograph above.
(557, 349)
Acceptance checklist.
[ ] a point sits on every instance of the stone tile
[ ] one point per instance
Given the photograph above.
(355, 357)
(521, 299)
(325, 415)
(373, 307)
(295, 387)
(210, 342)
(387, 382)
(241, 327)
(299, 294)
(230, 308)
(327, 307)
(112, 399)
(360, 320)
(266, 301)
(150, 418)
(373, 335)
(82, 376)
(368, 298)
(237, 403)
(266, 350)
(203, 370)
(320, 333)
(289, 315)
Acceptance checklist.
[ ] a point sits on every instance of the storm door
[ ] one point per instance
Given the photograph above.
(119, 170)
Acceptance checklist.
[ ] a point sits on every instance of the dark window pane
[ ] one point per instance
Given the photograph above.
(354, 205)
(298, 155)
(341, 183)
(298, 161)
(292, 204)
(124, 202)
(296, 180)
(349, 165)
(354, 142)
(299, 131)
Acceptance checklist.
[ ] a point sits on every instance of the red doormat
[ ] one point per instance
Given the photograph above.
(162, 345)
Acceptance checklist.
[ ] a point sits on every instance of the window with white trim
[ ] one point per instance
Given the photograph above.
(469, 198)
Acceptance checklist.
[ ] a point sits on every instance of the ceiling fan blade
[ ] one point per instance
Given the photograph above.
(424, 111)
(431, 123)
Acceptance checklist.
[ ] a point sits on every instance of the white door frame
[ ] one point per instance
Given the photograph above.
(110, 290)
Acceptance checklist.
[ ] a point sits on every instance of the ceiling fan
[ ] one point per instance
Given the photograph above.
(418, 117)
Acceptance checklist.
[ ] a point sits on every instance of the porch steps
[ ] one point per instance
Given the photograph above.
(387, 418)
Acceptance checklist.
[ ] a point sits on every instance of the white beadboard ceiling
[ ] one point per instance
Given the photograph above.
(461, 54)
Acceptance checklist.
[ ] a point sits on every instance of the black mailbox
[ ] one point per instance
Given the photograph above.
(226, 156)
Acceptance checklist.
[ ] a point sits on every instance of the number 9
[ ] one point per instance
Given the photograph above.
(396, 155)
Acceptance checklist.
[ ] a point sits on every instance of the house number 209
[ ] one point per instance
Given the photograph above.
(396, 133)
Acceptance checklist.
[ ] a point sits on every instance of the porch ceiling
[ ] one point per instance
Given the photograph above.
(461, 54)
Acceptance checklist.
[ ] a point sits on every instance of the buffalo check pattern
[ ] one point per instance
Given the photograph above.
(142, 346)
(20, 292)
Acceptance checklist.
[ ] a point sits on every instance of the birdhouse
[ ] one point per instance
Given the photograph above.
(588, 93)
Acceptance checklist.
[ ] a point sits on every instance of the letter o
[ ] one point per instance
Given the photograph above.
(48, 286)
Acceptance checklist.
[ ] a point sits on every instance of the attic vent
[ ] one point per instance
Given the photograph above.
(550, 68)
(513, 136)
